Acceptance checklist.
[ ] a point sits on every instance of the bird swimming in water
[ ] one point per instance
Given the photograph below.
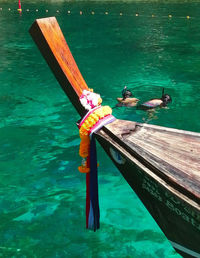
(154, 103)
(126, 99)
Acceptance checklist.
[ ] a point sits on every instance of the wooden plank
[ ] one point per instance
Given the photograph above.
(168, 129)
(180, 151)
(50, 40)
(172, 154)
(173, 210)
(129, 174)
(184, 182)
(121, 128)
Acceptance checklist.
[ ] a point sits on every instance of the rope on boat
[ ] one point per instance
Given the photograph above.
(103, 13)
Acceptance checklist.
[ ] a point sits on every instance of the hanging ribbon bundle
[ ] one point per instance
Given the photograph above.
(96, 118)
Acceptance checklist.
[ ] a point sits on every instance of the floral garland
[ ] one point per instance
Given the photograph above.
(89, 99)
(85, 130)
(96, 117)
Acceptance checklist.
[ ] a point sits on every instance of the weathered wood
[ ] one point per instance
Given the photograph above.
(172, 154)
(50, 40)
(121, 128)
(175, 212)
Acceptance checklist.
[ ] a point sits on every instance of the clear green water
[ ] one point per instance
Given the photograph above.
(42, 204)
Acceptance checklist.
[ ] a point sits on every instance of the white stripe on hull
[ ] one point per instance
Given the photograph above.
(185, 250)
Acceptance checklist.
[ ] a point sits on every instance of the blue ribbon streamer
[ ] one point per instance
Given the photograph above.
(94, 215)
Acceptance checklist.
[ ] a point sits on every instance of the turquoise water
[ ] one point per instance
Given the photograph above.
(42, 204)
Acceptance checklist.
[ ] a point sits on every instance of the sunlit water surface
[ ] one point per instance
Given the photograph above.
(42, 204)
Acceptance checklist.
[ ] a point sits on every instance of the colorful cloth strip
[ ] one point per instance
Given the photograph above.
(94, 120)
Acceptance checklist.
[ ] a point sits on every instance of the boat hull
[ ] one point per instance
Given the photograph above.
(178, 217)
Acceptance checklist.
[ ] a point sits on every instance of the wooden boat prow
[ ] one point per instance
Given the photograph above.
(166, 182)
(161, 164)
(50, 40)
(172, 154)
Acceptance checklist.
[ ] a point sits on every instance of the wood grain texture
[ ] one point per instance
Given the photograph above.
(176, 213)
(50, 40)
(172, 154)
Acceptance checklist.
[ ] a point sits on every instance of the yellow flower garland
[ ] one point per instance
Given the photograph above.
(84, 132)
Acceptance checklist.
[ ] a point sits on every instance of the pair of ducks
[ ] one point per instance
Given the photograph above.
(129, 101)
